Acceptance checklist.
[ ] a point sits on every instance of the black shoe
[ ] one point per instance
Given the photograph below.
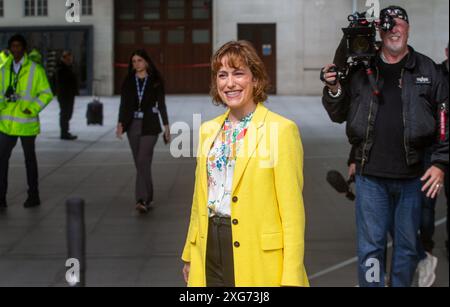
(32, 201)
(141, 207)
(69, 137)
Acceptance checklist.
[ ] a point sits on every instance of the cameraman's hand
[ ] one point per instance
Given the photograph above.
(352, 172)
(331, 77)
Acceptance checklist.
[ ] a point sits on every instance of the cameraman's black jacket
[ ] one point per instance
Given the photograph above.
(424, 91)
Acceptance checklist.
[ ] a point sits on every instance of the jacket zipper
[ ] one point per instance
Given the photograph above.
(404, 120)
(364, 160)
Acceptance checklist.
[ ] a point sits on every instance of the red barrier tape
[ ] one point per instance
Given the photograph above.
(186, 66)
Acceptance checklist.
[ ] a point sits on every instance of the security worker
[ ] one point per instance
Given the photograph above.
(24, 93)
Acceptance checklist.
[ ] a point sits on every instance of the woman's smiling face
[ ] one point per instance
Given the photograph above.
(235, 85)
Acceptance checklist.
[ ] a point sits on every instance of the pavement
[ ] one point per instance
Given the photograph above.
(125, 249)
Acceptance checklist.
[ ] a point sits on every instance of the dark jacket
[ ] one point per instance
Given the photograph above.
(444, 69)
(154, 96)
(66, 82)
(423, 92)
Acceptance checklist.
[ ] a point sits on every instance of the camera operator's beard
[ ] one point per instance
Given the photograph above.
(394, 48)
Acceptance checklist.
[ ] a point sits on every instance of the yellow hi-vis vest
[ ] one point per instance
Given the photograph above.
(4, 58)
(34, 94)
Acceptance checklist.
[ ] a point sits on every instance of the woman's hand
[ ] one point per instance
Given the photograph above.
(186, 270)
(119, 131)
(167, 136)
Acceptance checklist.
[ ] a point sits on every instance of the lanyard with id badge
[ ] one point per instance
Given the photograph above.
(140, 91)
(11, 92)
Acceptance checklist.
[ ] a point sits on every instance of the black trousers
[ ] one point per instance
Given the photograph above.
(66, 105)
(446, 196)
(7, 144)
(219, 254)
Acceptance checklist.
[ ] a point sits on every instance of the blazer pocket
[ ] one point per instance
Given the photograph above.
(272, 241)
(193, 236)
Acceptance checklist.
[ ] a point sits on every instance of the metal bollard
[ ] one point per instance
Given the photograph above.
(76, 243)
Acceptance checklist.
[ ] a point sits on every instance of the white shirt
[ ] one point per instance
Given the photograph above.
(17, 66)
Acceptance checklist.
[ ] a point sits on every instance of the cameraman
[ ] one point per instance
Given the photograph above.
(24, 93)
(390, 133)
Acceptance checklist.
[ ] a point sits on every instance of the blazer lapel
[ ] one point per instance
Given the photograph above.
(251, 141)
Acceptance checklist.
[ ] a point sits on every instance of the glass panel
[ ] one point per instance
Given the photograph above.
(152, 9)
(42, 8)
(175, 36)
(151, 36)
(30, 8)
(86, 8)
(126, 37)
(200, 37)
(176, 9)
(201, 9)
(126, 10)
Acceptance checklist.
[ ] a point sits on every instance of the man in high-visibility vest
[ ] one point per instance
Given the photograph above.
(24, 93)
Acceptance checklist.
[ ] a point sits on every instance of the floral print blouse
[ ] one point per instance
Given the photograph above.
(221, 163)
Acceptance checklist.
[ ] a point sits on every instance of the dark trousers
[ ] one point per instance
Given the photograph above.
(7, 144)
(219, 254)
(446, 196)
(66, 105)
(427, 225)
(142, 147)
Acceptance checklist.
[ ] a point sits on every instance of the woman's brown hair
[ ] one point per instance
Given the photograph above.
(240, 54)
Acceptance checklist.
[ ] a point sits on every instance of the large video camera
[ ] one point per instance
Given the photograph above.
(360, 36)
(359, 45)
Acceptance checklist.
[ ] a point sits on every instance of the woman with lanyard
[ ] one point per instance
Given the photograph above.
(142, 101)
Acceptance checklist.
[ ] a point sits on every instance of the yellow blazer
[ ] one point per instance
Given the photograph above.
(267, 204)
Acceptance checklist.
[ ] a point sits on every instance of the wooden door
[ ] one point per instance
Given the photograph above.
(264, 39)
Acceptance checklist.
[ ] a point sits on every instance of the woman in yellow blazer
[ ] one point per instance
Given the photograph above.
(247, 221)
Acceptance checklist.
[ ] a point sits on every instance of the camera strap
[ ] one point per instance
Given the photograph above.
(14, 82)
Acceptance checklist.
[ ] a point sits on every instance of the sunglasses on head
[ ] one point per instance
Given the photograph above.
(395, 13)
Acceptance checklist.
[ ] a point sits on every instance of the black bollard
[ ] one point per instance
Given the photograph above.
(76, 243)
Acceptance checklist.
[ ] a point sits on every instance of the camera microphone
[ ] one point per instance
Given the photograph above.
(337, 181)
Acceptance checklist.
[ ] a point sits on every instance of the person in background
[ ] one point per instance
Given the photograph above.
(66, 90)
(24, 93)
(444, 70)
(390, 133)
(142, 101)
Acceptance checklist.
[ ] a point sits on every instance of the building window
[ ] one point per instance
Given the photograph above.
(1, 9)
(36, 8)
(176, 9)
(126, 10)
(152, 9)
(86, 7)
(201, 9)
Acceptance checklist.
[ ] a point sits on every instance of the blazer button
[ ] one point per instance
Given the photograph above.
(235, 222)
(235, 199)
(237, 244)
